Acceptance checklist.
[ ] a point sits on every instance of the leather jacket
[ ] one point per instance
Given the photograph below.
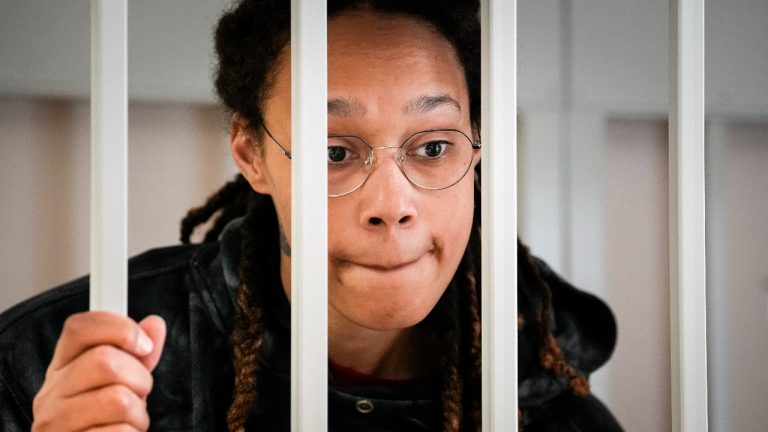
(193, 288)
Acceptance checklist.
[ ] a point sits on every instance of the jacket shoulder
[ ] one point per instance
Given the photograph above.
(571, 413)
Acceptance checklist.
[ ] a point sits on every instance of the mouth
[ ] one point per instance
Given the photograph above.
(390, 263)
(388, 266)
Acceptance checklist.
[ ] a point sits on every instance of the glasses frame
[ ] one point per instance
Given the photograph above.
(369, 160)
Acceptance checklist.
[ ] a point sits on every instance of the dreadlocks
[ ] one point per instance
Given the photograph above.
(249, 39)
(456, 316)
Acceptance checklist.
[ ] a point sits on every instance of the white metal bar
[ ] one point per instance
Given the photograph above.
(109, 155)
(499, 214)
(687, 229)
(309, 229)
(719, 360)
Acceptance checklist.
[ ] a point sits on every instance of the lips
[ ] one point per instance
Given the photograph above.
(382, 262)
(388, 266)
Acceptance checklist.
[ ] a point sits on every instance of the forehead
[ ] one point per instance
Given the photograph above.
(390, 55)
(379, 66)
(384, 36)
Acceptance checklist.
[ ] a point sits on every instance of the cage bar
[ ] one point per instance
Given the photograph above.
(109, 156)
(687, 229)
(499, 214)
(309, 232)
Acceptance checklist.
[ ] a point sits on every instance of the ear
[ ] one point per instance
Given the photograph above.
(247, 154)
(476, 138)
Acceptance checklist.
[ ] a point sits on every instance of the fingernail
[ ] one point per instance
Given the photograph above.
(145, 344)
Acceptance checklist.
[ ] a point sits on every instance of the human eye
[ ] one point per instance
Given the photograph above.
(342, 153)
(431, 148)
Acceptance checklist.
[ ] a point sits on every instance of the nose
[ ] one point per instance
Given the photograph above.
(388, 199)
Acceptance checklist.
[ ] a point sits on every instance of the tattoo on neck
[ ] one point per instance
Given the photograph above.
(284, 245)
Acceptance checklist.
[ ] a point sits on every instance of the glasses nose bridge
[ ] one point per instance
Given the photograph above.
(372, 158)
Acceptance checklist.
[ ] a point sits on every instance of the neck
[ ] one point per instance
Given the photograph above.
(392, 354)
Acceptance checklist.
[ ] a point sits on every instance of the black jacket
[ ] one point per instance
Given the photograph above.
(193, 287)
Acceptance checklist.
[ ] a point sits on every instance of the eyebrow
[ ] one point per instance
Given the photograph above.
(350, 107)
(345, 107)
(427, 103)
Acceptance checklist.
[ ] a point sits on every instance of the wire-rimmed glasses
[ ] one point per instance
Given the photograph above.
(431, 159)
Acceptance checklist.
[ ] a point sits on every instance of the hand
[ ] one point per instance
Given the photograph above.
(100, 374)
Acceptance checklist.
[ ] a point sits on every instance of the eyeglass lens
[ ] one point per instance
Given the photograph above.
(434, 159)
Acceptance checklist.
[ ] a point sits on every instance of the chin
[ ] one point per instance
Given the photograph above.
(388, 300)
(386, 319)
(377, 307)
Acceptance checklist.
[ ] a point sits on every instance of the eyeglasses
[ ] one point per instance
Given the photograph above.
(432, 159)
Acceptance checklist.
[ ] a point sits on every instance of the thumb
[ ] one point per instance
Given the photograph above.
(154, 327)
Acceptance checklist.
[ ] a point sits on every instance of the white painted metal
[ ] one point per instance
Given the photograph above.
(720, 358)
(109, 155)
(687, 254)
(309, 229)
(499, 214)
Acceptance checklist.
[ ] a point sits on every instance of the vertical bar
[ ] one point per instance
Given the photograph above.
(499, 214)
(309, 229)
(720, 316)
(687, 229)
(109, 155)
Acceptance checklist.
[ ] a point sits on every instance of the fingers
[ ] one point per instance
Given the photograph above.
(85, 330)
(111, 405)
(154, 327)
(101, 366)
(100, 374)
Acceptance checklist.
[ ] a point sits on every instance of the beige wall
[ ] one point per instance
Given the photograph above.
(738, 277)
(637, 271)
(178, 156)
(624, 186)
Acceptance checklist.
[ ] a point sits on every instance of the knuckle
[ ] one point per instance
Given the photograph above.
(143, 421)
(144, 384)
(104, 357)
(128, 336)
(150, 382)
(73, 325)
(40, 425)
(42, 419)
(123, 339)
(39, 401)
(120, 400)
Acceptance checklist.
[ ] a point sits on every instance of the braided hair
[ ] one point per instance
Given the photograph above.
(249, 39)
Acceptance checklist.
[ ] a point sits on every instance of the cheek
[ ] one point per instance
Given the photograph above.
(342, 224)
(452, 217)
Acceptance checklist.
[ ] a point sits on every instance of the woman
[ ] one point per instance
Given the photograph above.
(404, 332)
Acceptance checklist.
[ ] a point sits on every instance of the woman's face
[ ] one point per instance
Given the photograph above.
(393, 247)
